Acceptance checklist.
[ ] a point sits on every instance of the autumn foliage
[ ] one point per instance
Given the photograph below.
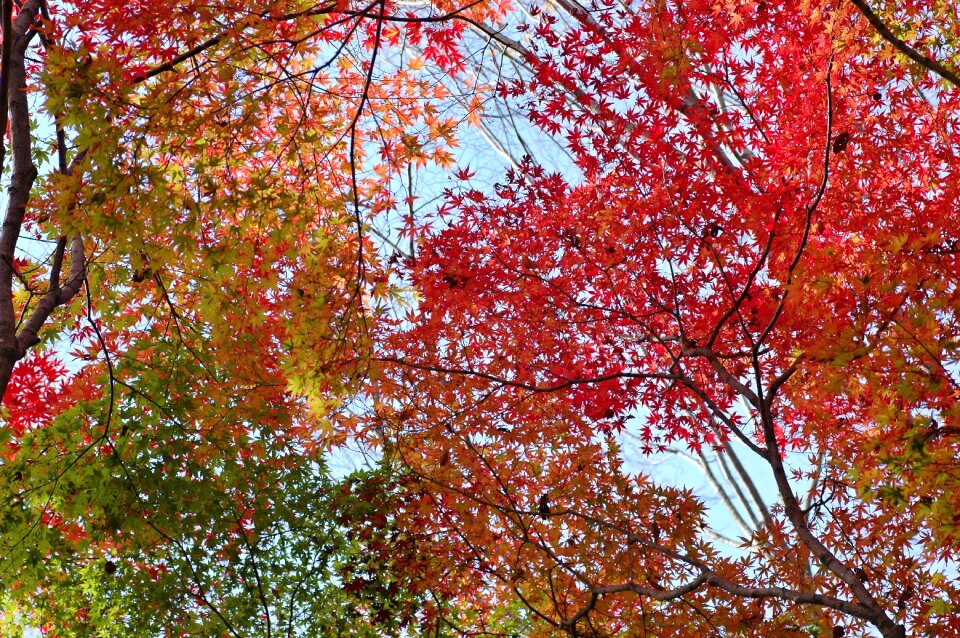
(217, 273)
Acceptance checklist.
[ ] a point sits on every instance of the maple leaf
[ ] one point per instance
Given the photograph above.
(727, 219)
(749, 249)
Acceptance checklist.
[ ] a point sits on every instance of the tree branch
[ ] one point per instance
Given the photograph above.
(15, 106)
(903, 47)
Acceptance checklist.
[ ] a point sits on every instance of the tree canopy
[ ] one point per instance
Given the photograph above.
(241, 238)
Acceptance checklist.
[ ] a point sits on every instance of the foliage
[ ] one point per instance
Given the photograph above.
(213, 269)
(193, 247)
(760, 248)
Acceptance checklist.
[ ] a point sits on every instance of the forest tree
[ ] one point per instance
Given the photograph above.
(216, 268)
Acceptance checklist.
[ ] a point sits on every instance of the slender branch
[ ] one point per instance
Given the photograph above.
(661, 595)
(526, 386)
(381, 17)
(748, 481)
(747, 506)
(703, 465)
(904, 48)
(57, 294)
(189, 54)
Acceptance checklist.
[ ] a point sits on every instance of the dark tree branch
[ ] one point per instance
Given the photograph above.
(527, 386)
(904, 48)
(13, 93)
(57, 293)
